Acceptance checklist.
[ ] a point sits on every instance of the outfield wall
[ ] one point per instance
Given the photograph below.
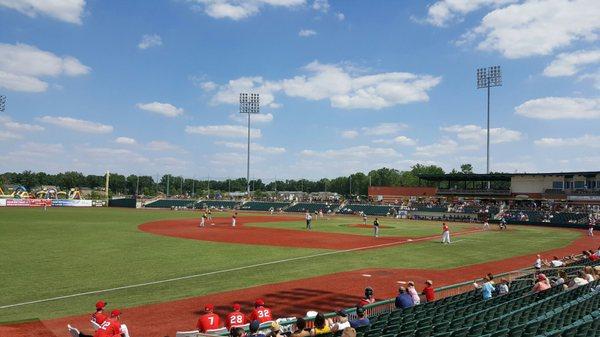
(50, 203)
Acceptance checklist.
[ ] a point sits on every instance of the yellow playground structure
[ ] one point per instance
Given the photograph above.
(20, 192)
(16, 192)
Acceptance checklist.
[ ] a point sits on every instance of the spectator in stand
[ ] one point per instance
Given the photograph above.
(208, 321)
(99, 317)
(556, 262)
(275, 330)
(361, 320)
(253, 328)
(342, 321)
(301, 330)
(349, 332)
(413, 293)
(502, 288)
(403, 300)
(538, 262)
(487, 288)
(590, 255)
(590, 274)
(598, 252)
(235, 318)
(261, 313)
(237, 332)
(541, 284)
(368, 299)
(428, 291)
(579, 280)
(561, 279)
(321, 326)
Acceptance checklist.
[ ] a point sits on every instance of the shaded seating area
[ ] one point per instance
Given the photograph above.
(378, 210)
(170, 203)
(312, 207)
(263, 206)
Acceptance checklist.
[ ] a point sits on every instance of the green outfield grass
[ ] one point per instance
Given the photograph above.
(343, 224)
(65, 251)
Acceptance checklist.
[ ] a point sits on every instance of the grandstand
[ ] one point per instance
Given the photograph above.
(366, 209)
(263, 206)
(312, 207)
(170, 203)
(219, 204)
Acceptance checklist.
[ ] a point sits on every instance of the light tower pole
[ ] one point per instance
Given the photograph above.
(249, 104)
(2, 103)
(487, 78)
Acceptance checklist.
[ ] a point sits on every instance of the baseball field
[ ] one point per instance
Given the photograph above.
(160, 268)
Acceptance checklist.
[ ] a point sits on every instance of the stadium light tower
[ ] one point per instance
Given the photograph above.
(487, 78)
(2, 103)
(249, 104)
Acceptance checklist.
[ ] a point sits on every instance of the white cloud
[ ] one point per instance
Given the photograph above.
(355, 152)
(208, 86)
(443, 12)
(230, 131)
(321, 5)
(568, 64)
(254, 147)
(12, 126)
(383, 129)
(125, 141)
(254, 118)
(340, 16)
(21, 67)
(403, 140)
(240, 9)
(306, 32)
(349, 134)
(477, 134)
(8, 135)
(160, 145)
(537, 27)
(164, 109)
(78, 125)
(560, 108)
(65, 10)
(444, 147)
(339, 85)
(149, 41)
(583, 141)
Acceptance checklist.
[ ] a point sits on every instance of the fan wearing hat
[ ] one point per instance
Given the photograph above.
(235, 318)
(261, 313)
(341, 322)
(361, 320)
(209, 320)
(99, 317)
(111, 327)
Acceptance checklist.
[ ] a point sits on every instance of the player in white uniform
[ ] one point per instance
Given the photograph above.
(308, 218)
(233, 219)
(591, 224)
(203, 219)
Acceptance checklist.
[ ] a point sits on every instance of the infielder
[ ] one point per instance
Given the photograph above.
(308, 218)
(445, 233)
(233, 218)
(591, 224)
(376, 228)
(364, 219)
(203, 219)
(486, 225)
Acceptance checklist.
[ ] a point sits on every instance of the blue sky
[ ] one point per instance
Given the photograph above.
(151, 87)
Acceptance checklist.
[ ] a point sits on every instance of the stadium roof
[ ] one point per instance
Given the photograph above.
(498, 176)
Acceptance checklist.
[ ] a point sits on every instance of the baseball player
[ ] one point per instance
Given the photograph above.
(236, 317)
(591, 224)
(364, 219)
(445, 233)
(111, 326)
(486, 224)
(99, 316)
(368, 299)
(203, 219)
(376, 228)
(209, 320)
(209, 214)
(233, 219)
(260, 312)
(308, 218)
(503, 223)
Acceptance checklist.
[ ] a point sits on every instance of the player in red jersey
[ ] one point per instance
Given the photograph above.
(111, 327)
(209, 320)
(236, 318)
(260, 312)
(99, 316)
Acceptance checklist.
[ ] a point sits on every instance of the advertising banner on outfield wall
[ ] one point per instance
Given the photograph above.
(2, 202)
(28, 202)
(71, 203)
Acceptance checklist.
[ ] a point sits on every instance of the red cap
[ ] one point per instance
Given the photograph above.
(100, 305)
(259, 302)
(237, 307)
(209, 307)
(115, 313)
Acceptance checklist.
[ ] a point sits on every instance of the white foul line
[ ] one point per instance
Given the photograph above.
(138, 285)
